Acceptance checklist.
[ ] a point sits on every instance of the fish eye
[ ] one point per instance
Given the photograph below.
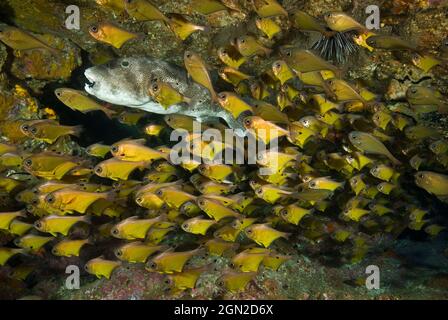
(247, 122)
(38, 224)
(188, 55)
(201, 202)
(28, 162)
(34, 201)
(139, 200)
(420, 175)
(155, 87)
(119, 253)
(242, 40)
(153, 265)
(249, 231)
(222, 96)
(99, 170)
(114, 149)
(277, 65)
(313, 184)
(167, 281)
(355, 181)
(125, 63)
(288, 53)
(414, 90)
(86, 267)
(115, 231)
(185, 226)
(159, 192)
(54, 251)
(50, 199)
(33, 130)
(93, 29)
(25, 127)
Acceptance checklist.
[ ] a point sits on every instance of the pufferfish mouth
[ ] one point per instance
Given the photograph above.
(90, 82)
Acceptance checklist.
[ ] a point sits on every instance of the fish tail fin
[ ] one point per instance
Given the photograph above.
(77, 130)
(87, 219)
(108, 112)
(286, 235)
(268, 52)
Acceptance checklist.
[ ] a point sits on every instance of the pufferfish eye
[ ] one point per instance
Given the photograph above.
(125, 63)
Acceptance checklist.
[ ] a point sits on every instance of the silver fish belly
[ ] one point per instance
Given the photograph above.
(125, 82)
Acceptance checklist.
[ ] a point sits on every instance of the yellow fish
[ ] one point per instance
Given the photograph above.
(271, 193)
(135, 150)
(425, 62)
(181, 27)
(32, 242)
(7, 217)
(137, 252)
(134, 228)
(80, 101)
(268, 8)
(282, 71)
(369, 144)
(98, 150)
(207, 7)
(116, 169)
(294, 214)
(174, 197)
(390, 43)
(19, 228)
(248, 46)
(325, 183)
(357, 184)
(235, 281)
(8, 253)
(149, 200)
(170, 261)
(72, 200)
(111, 34)
(233, 103)
(215, 210)
(18, 39)
(248, 261)
(227, 233)
(268, 26)
(432, 182)
(49, 165)
(69, 248)
(166, 95)
(144, 10)
(232, 76)
(156, 235)
(264, 235)
(197, 225)
(341, 22)
(231, 57)
(50, 131)
(384, 172)
(101, 267)
(198, 71)
(219, 247)
(354, 214)
(56, 224)
(131, 118)
(264, 130)
(304, 61)
(186, 279)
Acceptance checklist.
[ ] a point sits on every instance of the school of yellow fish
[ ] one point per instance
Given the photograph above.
(347, 167)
